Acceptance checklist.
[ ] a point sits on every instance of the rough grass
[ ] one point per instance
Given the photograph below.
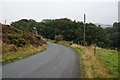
(65, 43)
(17, 44)
(49, 40)
(82, 66)
(9, 54)
(103, 65)
(110, 60)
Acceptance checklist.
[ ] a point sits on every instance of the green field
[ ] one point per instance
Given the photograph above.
(103, 65)
(110, 60)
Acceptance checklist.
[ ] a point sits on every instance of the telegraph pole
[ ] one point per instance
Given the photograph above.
(55, 34)
(94, 49)
(84, 29)
(5, 22)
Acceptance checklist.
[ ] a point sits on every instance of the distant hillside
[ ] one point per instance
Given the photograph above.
(104, 25)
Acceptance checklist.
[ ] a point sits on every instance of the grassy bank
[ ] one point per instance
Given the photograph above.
(17, 44)
(103, 65)
(65, 43)
(12, 53)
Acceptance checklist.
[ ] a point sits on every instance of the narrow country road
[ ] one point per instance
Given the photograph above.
(55, 62)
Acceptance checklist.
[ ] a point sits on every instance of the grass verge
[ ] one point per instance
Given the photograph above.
(103, 65)
(11, 53)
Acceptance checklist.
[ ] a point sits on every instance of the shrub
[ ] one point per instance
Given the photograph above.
(20, 38)
(12, 36)
(6, 40)
(38, 37)
(59, 38)
(19, 42)
(31, 39)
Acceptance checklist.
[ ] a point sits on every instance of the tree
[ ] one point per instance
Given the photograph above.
(69, 30)
(58, 38)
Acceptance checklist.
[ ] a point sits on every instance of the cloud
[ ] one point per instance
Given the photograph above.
(97, 12)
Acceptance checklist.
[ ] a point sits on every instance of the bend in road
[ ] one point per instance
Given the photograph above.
(55, 62)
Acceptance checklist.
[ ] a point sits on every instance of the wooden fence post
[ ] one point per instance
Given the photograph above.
(94, 49)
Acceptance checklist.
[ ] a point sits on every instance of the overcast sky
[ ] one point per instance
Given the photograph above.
(97, 11)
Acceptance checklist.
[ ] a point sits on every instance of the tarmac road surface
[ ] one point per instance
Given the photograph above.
(56, 61)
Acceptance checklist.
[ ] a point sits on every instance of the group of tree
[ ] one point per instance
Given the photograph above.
(114, 35)
(69, 30)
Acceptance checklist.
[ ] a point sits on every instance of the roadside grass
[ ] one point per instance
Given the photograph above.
(65, 43)
(49, 40)
(103, 65)
(110, 60)
(80, 52)
(12, 53)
